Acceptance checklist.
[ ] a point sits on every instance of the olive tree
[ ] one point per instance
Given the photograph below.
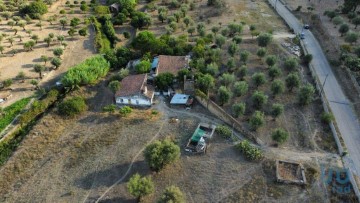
(240, 88)
(227, 79)
(264, 39)
(205, 83)
(271, 60)
(274, 72)
(224, 95)
(259, 99)
(277, 87)
(261, 52)
(257, 120)
(39, 69)
(258, 79)
(280, 135)
(276, 110)
(238, 109)
(292, 81)
(161, 153)
(291, 63)
(306, 94)
(140, 186)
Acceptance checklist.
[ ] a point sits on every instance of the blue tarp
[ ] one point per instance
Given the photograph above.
(155, 63)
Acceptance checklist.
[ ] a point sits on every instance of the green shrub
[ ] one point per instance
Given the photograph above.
(101, 10)
(35, 9)
(126, 34)
(224, 131)
(124, 111)
(172, 194)
(161, 153)
(250, 152)
(87, 72)
(327, 117)
(109, 108)
(72, 107)
(143, 67)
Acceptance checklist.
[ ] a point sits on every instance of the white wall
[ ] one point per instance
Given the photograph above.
(138, 101)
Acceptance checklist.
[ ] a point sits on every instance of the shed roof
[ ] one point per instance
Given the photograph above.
(179, 99)
(132, 84)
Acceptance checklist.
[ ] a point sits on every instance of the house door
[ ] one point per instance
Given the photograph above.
(137, 102)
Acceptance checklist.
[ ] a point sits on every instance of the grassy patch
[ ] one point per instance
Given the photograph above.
(11, 112)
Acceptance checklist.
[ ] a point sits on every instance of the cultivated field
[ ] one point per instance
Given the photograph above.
(78, 49)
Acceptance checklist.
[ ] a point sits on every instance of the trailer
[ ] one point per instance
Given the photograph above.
(199, 140)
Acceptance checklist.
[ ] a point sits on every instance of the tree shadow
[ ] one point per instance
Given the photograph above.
(111, 175)
(118, 200)
(103, 97)
(37, 60)
(98, 119)
(27, 66)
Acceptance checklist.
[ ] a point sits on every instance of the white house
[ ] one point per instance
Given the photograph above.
(134, 91)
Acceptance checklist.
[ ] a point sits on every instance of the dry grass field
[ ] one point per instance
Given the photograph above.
(93, 156)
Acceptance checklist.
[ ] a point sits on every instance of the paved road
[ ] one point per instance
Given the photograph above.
(345, 117)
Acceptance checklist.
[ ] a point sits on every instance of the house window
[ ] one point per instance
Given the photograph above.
(121, 101)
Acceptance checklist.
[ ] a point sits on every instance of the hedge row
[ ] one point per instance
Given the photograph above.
(102, 43)
(87, 72)
(10, 112)
(39, 107)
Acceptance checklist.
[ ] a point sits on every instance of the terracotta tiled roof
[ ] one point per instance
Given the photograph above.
(171, 64)
(131, 85)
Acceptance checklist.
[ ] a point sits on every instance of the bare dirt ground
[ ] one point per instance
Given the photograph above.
(256, 13)
(78, 49)
(90, 158)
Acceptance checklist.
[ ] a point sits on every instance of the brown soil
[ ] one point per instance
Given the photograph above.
(78, 49)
